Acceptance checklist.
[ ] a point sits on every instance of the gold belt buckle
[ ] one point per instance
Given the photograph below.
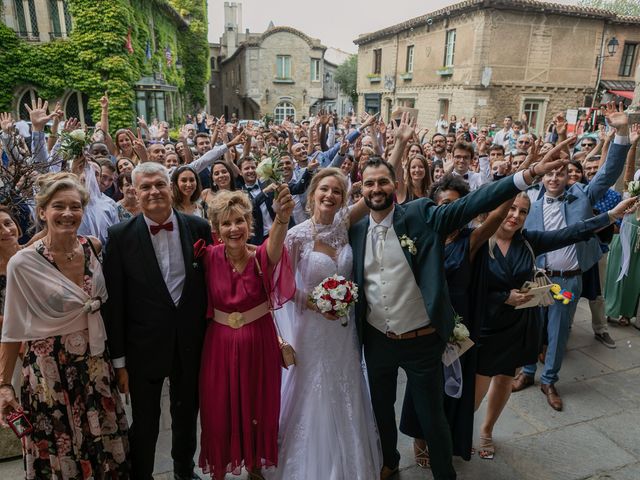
(236, 320)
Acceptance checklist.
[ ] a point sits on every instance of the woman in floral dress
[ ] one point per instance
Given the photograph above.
(54, 292)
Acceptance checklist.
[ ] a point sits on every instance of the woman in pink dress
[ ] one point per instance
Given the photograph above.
(241, 359)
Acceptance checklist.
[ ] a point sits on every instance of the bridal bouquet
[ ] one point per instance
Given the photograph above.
(72, 144)
(335, 295)
(269, 170)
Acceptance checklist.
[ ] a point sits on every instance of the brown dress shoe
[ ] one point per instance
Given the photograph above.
(521, 382)
(552, 396)
(387, 472)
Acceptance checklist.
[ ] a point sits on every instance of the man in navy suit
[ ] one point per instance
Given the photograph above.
(558, 208)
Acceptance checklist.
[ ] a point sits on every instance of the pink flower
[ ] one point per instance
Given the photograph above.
(63, 443)
(76, 343)
(42, 347)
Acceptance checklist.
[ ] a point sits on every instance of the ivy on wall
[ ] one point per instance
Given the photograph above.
(94, 59)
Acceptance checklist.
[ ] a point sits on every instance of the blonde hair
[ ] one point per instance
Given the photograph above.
(321, 175)
(52, 183)
(228, 202)
(492, 241)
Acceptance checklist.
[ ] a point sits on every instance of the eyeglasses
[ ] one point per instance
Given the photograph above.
(588, 144)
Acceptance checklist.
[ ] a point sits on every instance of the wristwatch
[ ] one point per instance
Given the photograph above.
(534, 177)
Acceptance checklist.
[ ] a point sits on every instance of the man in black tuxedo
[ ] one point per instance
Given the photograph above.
(155, 318)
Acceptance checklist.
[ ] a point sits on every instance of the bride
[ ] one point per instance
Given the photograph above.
(327, 427)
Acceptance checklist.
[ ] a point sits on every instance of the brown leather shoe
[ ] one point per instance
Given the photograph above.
(552, 396)
(521, 382)
(388, 472)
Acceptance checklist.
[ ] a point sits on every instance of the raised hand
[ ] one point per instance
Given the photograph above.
(6, 122)
(142, 123)
(367, 120)
(104, 101)
(634, 134)
(404, 131)
(617, 118)
(560, 123)
(38, 114)
(625, 207)
(71, 124)
(137, 144)
(344, 147)
(237, 140)
(284, 203)
(323, 117)
(553, 158)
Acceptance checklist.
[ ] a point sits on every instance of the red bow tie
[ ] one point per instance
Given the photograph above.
(165, 226)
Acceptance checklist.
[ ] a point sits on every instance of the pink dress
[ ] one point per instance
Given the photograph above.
(241, 368)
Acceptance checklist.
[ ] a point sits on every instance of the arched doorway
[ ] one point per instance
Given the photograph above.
(283, 111)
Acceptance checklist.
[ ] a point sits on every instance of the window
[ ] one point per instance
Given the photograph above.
(67, 16)
(628, 59)
(77, 106)
(409, 59)
(315, 70)
(443, 104)
(377, 61)
(283, 111)
(449, 48)
(283, 66)
(406, 102)
(533, 111)
(27, 20)
(60, 19)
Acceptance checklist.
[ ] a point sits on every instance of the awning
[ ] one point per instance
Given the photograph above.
(622, 93)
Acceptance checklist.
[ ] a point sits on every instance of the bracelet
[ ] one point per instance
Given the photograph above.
(281, 222)
(535, 178)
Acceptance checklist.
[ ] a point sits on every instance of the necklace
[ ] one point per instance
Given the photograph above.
(236, 265)
(68, 255)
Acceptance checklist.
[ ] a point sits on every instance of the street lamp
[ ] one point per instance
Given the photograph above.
(612, 47)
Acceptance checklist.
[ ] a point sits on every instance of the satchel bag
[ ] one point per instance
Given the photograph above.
(286, 350)
(541, 279)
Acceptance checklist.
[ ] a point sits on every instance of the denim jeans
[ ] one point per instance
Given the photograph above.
(559, 319)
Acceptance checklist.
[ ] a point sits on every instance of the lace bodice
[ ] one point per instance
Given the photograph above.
(311, 266)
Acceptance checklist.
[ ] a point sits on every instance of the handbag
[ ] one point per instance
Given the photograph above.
(287, 352)
(540, 279)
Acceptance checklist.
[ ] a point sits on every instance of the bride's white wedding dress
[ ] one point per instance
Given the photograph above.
(327, 427)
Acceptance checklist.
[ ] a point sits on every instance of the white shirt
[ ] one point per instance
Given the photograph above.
(563, 259)
(500, 137)
(23, 128)
(168, 250)
(474, 179)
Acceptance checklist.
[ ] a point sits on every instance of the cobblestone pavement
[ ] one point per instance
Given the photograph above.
(596, 437)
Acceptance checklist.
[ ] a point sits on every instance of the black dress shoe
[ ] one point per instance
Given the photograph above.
(191, 476)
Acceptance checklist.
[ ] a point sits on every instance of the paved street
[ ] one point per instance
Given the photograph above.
(597, 436)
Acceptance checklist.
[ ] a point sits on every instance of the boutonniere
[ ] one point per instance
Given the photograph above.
(198, 251)
(406, 242)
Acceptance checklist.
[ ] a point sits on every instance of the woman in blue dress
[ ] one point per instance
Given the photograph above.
(460, 250)
(509, 337)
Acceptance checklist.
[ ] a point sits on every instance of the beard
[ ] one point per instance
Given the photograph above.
(388, 201)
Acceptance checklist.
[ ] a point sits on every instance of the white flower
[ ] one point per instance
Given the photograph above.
(460, 332)
(324, 305)
(633, 188)
(265, 169)
(406, 242)
(78, 135)
(339, 292)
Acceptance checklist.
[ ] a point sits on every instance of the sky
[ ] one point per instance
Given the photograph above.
(335, 22)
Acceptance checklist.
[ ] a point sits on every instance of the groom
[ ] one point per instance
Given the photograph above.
(404, 315)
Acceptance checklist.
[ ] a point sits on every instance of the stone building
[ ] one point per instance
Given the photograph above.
(148, 45)
(490, 58)
(281, 72)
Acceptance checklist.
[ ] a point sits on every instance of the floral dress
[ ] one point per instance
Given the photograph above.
(79, 424)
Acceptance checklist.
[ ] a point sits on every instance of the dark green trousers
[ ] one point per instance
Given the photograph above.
(421, 359)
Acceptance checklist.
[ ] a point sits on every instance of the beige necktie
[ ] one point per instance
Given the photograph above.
(379, 234)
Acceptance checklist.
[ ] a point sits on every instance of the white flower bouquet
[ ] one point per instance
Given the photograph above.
(335, 295)
(72, 144)
(459, 342)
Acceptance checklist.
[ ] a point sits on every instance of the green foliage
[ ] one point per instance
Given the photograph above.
(94, 59)
(621, 7)
(347, 77)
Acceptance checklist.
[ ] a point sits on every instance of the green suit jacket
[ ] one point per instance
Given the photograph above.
(428, 226)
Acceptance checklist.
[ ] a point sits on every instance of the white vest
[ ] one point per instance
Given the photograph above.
(394, 300)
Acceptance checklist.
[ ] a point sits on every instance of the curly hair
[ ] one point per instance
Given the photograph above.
(449, 182)
(226, 203)
(51, 183)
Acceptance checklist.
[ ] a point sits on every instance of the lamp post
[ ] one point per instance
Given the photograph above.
(612, 47)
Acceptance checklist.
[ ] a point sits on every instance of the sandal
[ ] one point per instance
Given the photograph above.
(621, 322)
(487, 449)
(421, 453)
